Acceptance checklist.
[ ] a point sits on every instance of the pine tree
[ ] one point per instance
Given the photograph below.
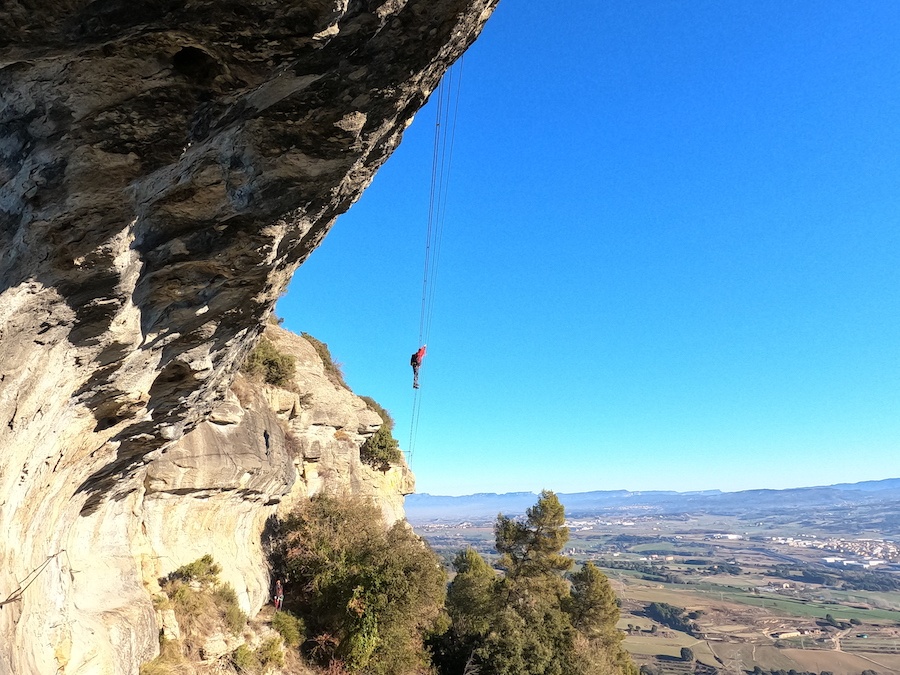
(472, 594)
(592, 604)
(531, 621)
(594, 613)
(532, 548)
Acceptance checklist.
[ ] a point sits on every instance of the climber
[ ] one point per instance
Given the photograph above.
(416, 362)
(279, 595)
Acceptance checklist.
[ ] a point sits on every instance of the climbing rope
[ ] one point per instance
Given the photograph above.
(441, 162)
(30, 578)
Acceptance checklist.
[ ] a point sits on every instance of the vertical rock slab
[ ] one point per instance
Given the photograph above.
(165, 165)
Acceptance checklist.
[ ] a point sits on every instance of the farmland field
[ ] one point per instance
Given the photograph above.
(842, 663)
(745, 656)
(812, 609)
(663, 646)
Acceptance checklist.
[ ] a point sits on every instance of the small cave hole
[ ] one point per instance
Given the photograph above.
(195, 64)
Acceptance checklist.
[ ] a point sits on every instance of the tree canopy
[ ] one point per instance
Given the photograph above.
(367, 595)
(532, 548)
(531, 620)
(373, 600)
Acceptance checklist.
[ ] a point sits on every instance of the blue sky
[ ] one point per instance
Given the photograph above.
(669, 261)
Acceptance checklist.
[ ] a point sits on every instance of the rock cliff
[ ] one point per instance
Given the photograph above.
(165, 166)
(262, 449)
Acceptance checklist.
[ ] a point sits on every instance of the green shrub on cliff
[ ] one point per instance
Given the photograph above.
(202, 603)
(270, 654)
(289, 627)
(263, 659)
(271, 365)
(368, 595)
(381, 449)
(332, 368)
(244, 659)
(204, 570)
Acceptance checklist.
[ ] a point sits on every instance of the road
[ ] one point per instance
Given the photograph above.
(836, 638)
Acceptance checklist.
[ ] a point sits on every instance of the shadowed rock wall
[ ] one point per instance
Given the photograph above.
(165, 167)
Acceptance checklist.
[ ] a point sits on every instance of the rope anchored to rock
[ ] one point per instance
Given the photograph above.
(32, 576)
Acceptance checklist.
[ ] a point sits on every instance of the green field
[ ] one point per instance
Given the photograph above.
(814, 609)
(778, 604)
(882, 600)
(668, 548)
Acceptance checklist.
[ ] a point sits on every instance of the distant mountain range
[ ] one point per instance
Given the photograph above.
(425, 508)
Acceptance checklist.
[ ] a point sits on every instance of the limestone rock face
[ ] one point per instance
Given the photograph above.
(165, 165)
(213, 490)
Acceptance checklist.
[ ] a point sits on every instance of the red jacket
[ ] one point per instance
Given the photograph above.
(417, 358)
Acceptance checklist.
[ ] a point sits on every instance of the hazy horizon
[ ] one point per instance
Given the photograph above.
(538, 491)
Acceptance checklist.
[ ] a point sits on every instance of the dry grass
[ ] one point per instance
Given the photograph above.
(244, 389)
(842, 663)
(195, 611)
(203, 606)
(745, 656)
(170, 661)
(205, 611)
(333, 369)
